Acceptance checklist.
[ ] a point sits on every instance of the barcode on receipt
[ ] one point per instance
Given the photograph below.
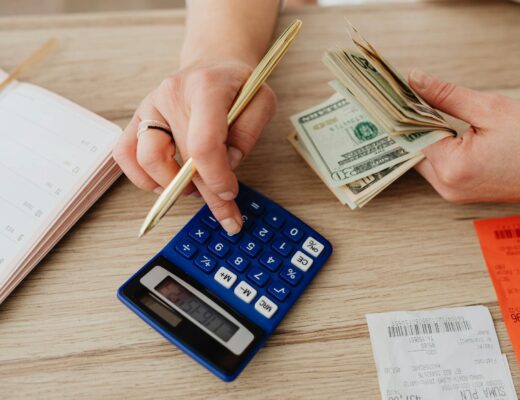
(416, 328)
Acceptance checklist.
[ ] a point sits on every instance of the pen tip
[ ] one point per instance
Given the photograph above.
(143, 231)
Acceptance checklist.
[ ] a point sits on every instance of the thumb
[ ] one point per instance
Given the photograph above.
(463, 103)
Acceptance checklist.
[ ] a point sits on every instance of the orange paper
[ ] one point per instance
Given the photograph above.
(500, 243)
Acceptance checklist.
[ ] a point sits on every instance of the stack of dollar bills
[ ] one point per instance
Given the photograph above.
(371, 131)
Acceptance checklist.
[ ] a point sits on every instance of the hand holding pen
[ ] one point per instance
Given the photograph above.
(194, 104)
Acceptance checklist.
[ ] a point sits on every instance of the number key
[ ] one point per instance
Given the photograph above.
(258, 276)
(293, 233)
(262, 233)
(282, 247)
(238, 262)
(218, 248)
(270, 261)
(250, 247)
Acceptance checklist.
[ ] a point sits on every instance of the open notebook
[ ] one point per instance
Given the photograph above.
(55, 162)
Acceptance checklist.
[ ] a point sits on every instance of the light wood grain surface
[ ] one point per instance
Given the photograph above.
(63, 334)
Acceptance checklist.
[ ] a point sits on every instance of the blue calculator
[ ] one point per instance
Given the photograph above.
(219, 297)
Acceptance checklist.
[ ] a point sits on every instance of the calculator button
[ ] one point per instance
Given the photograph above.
(293, 233)
(199, 234)
(225, 277)
(312, 246)
(258, 276)
(227, 236)
(274, 220)
(186, 248)
(255, 207)
(266, 307)
(247, 221)
(238, 262)
(291, 275)
(262, 233)
(219, 248)
(270, 261)
(250, 247)
(301, 260)
(245, 292)
(279, 290)
(205, 263)
(210, 221)
(282, 247)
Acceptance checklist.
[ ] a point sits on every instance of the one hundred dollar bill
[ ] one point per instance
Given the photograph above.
(345, 142)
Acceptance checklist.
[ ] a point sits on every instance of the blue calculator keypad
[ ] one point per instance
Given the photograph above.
(264, 265)
(256, 276)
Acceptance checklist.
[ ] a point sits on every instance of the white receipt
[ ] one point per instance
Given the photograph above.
(445, 354)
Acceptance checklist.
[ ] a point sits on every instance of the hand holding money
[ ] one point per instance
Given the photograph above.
(483, 163)
(371, 132)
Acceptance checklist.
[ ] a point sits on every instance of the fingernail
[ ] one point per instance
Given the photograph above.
(234, 156)
(158, 190)
(420, 79)
(230, 226)
(226, 196)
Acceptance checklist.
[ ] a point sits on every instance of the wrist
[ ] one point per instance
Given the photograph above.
(201, 55)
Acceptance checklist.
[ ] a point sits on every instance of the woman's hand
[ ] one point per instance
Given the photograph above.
(482, 164)
(195, 102)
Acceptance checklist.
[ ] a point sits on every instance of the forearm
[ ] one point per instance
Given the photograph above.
(228, 29)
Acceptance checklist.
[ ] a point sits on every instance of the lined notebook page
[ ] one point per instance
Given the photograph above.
(49, 149)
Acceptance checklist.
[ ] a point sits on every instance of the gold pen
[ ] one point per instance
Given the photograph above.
(29, 62)
(259, 75)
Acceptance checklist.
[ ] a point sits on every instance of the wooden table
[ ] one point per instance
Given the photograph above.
(63, 333)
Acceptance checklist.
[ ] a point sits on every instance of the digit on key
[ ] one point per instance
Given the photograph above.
(218, 248)
(238, 262)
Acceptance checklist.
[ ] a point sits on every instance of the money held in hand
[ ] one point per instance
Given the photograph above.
(371, 131)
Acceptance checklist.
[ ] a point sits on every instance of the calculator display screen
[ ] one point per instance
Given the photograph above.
(196, 308)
